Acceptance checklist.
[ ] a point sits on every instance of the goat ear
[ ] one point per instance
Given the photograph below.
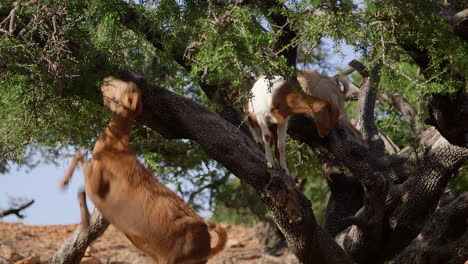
(319, 105)
(133, 101)
(322, 117)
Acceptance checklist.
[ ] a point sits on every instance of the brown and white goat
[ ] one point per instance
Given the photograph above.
(273, 100)
(127, 194)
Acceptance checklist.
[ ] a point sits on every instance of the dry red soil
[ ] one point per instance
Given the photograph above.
(40, 242)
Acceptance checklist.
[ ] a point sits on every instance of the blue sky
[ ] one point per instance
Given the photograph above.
(53, 206)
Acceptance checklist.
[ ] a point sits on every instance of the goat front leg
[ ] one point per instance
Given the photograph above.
(282, 127)
(66, 179)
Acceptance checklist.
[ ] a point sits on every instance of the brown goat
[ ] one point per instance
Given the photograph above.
(127, 194)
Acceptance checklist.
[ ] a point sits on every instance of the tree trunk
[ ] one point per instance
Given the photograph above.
(73, 249)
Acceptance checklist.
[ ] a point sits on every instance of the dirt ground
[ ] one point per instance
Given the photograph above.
(36, 244)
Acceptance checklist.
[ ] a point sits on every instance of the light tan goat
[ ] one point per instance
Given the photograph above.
(127, 194)
(273, 100)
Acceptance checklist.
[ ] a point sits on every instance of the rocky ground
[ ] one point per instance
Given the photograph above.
(22, 244)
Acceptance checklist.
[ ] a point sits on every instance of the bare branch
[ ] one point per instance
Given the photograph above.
(346, 191)
(458, 20)
(448, 114)
(390, 147)
(365, 112)
(402, 105)
(73, 249)
(16, 211)
(10, 19)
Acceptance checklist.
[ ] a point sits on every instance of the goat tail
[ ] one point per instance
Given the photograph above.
(345, 82)
(222, 238)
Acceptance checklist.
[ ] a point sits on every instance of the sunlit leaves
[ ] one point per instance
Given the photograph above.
(50, 72)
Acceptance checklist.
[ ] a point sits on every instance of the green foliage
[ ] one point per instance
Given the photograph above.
(238, 204)
(53, 63)
(459, 184)
(303, 163)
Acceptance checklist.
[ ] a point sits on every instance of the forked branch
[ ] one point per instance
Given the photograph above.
(16, 211)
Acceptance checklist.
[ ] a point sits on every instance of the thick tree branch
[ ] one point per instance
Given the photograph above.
(174, 116)
(346, 199)
(413, 202)
(346, 191)
(365, 112)
(16, 211)
(364, 238)
(73, 249)
(457, 19)
(448, 113)
(404, 107)
(444, 239)
(390, 147)
(358, 239)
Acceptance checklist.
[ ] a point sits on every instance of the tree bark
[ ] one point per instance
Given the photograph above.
(444, 239)
(73, 249)
(392, 197)
(176, 117)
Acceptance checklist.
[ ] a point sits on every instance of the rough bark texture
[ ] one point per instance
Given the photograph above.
(176, 117)
(443, 239)
(382, 210)
(449, 114)
(407, 206)
(415, 200)
(73, 249)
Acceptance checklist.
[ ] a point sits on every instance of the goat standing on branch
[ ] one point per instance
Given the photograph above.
(127, 194)
(273, 100)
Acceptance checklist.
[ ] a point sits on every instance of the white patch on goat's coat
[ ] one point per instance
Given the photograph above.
(262, 94)
(260, 104)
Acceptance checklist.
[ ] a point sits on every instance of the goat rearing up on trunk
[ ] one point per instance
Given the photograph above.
(273, 100)
(127, 194)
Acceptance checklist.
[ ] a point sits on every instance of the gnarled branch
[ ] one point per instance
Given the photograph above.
(444, 239)
(365, 112)
(73, 249)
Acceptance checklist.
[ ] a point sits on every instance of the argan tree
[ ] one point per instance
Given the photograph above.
(390, 198)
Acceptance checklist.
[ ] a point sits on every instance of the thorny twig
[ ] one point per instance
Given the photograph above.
(9, 21)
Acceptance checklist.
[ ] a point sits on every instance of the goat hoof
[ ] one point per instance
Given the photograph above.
(269, 165)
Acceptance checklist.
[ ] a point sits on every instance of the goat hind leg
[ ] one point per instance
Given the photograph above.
(83, 210)
(266, 143)
(282, 127)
